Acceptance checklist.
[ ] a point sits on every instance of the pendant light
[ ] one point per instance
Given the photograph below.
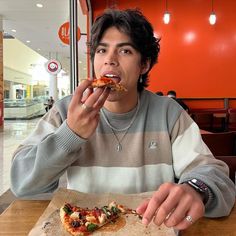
(212, 17)
(166, 17)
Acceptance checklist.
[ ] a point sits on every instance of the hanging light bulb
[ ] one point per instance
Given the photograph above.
(212, 17)
(166, 17)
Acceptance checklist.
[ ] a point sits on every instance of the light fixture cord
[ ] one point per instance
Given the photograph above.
(166, 5)
(212, 8)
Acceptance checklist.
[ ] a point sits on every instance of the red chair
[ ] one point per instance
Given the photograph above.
(231, 162)
(203, 120)
(221, 144)
(232, 119)
(211, 119)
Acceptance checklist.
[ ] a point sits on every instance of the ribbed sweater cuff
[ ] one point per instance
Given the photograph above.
(67, 139)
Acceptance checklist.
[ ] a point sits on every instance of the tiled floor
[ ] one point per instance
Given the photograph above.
(13, 133)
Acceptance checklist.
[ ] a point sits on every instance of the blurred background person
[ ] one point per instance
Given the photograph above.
(160, 93)
(172, 94)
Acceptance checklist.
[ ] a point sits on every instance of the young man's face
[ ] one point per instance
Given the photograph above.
(115, 55)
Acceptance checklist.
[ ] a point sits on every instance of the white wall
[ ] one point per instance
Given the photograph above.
(19, 60)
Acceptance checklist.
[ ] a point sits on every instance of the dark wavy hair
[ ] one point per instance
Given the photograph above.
(134, 24)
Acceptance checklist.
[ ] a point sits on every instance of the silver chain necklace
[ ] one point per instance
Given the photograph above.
(113, 129)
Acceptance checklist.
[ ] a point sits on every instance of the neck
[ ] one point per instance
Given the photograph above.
(122, 105)
(125, 129)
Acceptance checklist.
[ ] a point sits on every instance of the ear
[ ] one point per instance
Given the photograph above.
(145, 66)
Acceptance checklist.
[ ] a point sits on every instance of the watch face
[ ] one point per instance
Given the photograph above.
(199, 185)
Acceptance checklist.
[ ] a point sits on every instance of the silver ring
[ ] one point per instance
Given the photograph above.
(189, 219)
(87, 108)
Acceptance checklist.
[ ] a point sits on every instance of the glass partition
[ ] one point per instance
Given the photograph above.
(26, 52)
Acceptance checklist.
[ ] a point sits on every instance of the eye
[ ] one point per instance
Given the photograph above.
(125, 51)
(100, 50)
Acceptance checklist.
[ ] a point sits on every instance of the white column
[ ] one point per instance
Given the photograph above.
(12, 91)
(53, 87)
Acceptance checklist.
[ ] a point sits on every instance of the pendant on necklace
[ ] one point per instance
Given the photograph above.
(119, 148)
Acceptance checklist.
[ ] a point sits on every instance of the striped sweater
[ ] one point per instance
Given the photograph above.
(162, 145)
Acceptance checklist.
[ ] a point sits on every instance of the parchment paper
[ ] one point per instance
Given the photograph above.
(49, 223)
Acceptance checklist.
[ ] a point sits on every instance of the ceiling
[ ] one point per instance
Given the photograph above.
(40, 26)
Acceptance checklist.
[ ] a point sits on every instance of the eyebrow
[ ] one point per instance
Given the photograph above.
(118, 45)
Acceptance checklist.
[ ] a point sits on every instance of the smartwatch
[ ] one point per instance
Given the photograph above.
(200, 187)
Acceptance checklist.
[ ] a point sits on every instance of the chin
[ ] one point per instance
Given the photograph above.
(114, 96)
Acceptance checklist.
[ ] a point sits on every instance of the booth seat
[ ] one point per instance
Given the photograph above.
(231, 162)
(221, 144)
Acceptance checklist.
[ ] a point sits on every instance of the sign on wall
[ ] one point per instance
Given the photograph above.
(64, 33)
(53, 67)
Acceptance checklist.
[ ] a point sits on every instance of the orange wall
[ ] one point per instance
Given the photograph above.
(196, 59)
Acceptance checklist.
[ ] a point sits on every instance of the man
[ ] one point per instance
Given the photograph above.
(172, 94)
(128, 141)
(160, 93)
(50, 102)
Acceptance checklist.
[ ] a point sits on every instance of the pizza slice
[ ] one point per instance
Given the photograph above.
(106, 81)
(83, 221)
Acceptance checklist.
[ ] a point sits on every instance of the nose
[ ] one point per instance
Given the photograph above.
(111, 59)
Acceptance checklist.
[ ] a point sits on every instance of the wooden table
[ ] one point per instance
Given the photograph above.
(19, 218)
(224, 226)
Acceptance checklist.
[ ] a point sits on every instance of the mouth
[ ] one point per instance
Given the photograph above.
(114, 77)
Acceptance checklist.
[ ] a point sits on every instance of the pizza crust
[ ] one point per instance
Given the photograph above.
(107, 82)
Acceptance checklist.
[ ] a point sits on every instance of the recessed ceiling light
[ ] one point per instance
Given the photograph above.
(80, 62)
(28, 41)
(38, 49)
(39, 5)
(13, 30)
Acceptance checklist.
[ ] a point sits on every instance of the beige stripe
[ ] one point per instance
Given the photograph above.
(101, 151)
(182, 124)
(53, 117)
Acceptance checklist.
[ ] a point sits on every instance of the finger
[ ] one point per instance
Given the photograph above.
(91, 100)
(168, 207)
(195, 212)
(186, 221)
(142, 207)
(89, 107)
(86, 94)
(179, 212)
(86, 108)
(101, 100)
(154, 203)
(79, 93)
(83, 86)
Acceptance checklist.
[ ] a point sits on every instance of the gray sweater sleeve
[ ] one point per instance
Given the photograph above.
(38, 164)
(197, 161)
(222, 189)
